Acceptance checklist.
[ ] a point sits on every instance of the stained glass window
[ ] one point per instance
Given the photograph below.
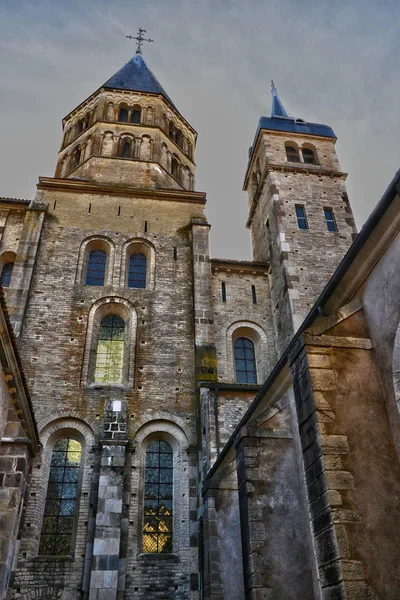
(137, 271)
(110, 350)
(6, 274)
(157, 527)
(245, 361)
(96, 269)
(60, 508)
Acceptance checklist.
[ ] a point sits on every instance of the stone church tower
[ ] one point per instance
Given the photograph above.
(142, 353)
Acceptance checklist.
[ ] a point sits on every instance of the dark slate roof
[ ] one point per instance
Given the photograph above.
(135, 75)
(292, 125)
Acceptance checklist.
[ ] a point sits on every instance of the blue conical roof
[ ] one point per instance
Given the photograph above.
(136, 76)
(277, 109)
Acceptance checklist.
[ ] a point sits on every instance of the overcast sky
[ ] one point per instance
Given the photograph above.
(333, 61)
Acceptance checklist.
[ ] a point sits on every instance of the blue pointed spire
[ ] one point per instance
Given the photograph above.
(277, 109)
(136, 76)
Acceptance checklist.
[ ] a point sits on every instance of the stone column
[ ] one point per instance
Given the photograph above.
(107, 580)
(17, 293)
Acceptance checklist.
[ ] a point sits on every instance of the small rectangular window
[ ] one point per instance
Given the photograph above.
(330, 219)
(175, 253)
(223, 291)
(301, 217)
(253, 293)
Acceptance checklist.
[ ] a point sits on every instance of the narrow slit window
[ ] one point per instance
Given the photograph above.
(96, 269)
(61, 500)
(223, 291)
(110, 350)
(137, 271)
(158, 489)
(301, 217)
(6, 274)
(330, 219)
(253, 294)
(245, 361)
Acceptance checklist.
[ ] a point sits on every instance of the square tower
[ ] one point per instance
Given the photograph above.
(300, 218)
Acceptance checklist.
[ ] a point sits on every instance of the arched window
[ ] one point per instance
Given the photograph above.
(61, 499)
(76, 158)
(136, 115)
(172, 131)
(175, 168)
(96, 269)
(110, 350)
(308, 156)
(245, 361)
(158, 486)
(6, 273)
(179, 139)
(126, 148)
(123, 115)
(137, 271)
(292, 154)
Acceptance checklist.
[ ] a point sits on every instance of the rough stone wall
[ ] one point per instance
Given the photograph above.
(53, 344)
(302, 261)
(239, 310)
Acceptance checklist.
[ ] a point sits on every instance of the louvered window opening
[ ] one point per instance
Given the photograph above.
(61, 499)
(158, 488)
(6, 274)
(245, 361)
(110, 350)
(137, 271)
(96, 269)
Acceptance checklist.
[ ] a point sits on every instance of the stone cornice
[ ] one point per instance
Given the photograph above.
(239, 266)
(83, 187)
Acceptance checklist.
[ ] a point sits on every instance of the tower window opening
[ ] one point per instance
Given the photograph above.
(61, 498)
(301, 217)
(308, 156)
(175, 168)
(126, 148)
(6, 273)
(76, 158)
(110, 350)
(179, 138)
(245, 361)
(136, 116)
(292, 154)
(253, 294)
(223, 291)
(96, 269)
(123, 115)
(330, 219)
(158, 497)
(137, 271)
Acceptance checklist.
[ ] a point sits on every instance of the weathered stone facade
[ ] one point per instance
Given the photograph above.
(267, 489)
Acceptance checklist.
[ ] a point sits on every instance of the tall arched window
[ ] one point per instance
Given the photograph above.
(126, 148)
(110, 350)
(245, 361)
(96, 269)
(137, 271)
(136, 115)
(6, 273)
(158, 486)
(308, 156)
(292, 154)
(123, 115)
(61, 499)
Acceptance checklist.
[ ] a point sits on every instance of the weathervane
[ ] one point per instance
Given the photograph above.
(273, 87)
(140, 39)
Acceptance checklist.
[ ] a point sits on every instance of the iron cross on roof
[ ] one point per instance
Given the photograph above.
(140, 39)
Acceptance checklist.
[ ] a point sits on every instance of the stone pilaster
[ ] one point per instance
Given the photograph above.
(213, 586)
(324, 450)
(107, 580)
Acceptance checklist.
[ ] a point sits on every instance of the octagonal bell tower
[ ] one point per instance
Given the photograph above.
(129, 132)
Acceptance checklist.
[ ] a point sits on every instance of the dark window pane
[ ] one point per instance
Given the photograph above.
(135, 116)
(6, 274)
(137, 271)
(59, 512)
(157, 526)
(292, 154)
(126, 149)
(245, 361)
(330, 219)
(301, 217)
(308, 156)
(96, 269)
(123, 115)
